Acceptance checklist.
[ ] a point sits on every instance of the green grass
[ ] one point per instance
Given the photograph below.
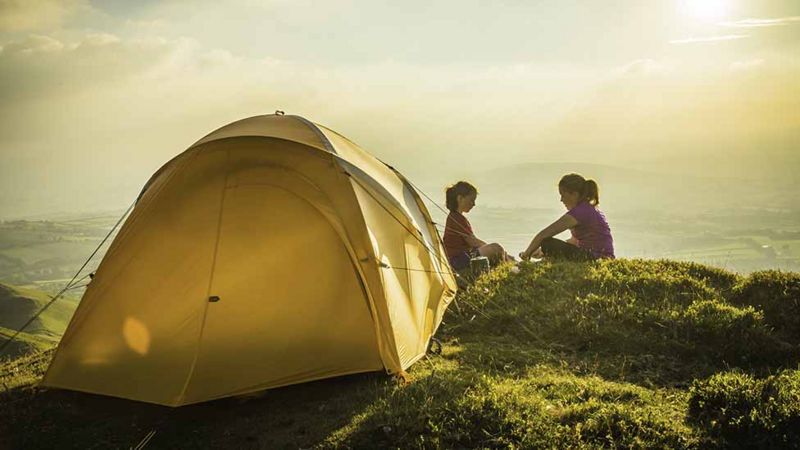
(24, 343)
(18, 305)
(740, 410)
(619, 354)
(777, 294)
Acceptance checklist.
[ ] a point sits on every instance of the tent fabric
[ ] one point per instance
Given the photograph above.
(271, 252)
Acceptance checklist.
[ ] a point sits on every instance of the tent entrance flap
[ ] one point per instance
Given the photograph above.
(289, 299)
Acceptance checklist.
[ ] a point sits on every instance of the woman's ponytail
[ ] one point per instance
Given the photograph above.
(452, 192)
(591, 193)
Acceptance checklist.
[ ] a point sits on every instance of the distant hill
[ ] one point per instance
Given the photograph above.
(535, 185)
(18, 305)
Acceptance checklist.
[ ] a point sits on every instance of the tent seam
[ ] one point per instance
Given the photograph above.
(182, 395)
(325, 141)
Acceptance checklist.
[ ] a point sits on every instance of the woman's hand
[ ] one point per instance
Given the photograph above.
(526, 255)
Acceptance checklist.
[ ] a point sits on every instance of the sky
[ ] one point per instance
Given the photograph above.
(97, 95)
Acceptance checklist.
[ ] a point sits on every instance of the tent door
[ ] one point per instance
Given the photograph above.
(290, 308)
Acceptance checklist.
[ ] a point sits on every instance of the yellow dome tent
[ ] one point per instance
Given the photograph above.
(273, 251)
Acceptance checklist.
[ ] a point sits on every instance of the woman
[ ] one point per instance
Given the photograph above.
(460, 243)
(591, 236)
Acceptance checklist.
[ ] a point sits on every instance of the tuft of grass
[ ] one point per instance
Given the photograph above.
(741, 410)
(777, 294)
(24, 371)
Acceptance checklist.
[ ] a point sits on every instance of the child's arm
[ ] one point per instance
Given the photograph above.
(565, 222)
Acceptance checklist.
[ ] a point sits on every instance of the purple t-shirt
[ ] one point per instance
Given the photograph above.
(592, 231)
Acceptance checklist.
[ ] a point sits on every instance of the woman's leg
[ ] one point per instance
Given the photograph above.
(556, 248)
(495, 252)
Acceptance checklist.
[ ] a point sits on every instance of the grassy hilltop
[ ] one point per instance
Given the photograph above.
(625, 353)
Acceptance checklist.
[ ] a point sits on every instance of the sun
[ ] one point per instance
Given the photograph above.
(705, 10)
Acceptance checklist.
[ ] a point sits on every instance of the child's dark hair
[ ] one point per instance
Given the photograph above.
(587, 189)
(461, 188)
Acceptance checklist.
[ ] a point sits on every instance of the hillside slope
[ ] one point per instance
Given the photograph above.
(624, 353)
(17, 306)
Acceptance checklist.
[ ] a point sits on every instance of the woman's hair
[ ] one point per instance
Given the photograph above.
(586, 189)
(452, 192)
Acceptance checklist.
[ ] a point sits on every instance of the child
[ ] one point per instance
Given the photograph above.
(591, 235)
(460, 243)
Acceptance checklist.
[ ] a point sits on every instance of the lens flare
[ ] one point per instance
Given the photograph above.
(705, 10)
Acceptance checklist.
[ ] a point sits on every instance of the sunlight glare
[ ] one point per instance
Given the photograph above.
(705, 10)
(136, 334)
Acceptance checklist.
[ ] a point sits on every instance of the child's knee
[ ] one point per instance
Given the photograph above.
(548, 244)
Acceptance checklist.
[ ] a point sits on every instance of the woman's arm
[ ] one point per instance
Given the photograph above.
(563, 223)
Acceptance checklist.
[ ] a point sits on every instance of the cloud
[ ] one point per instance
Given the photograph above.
(27, 15)
(42, 68)
(33, 44)
(93, 101)
(696, 40)
(100, 39)
(153, 96)
(758, 23)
